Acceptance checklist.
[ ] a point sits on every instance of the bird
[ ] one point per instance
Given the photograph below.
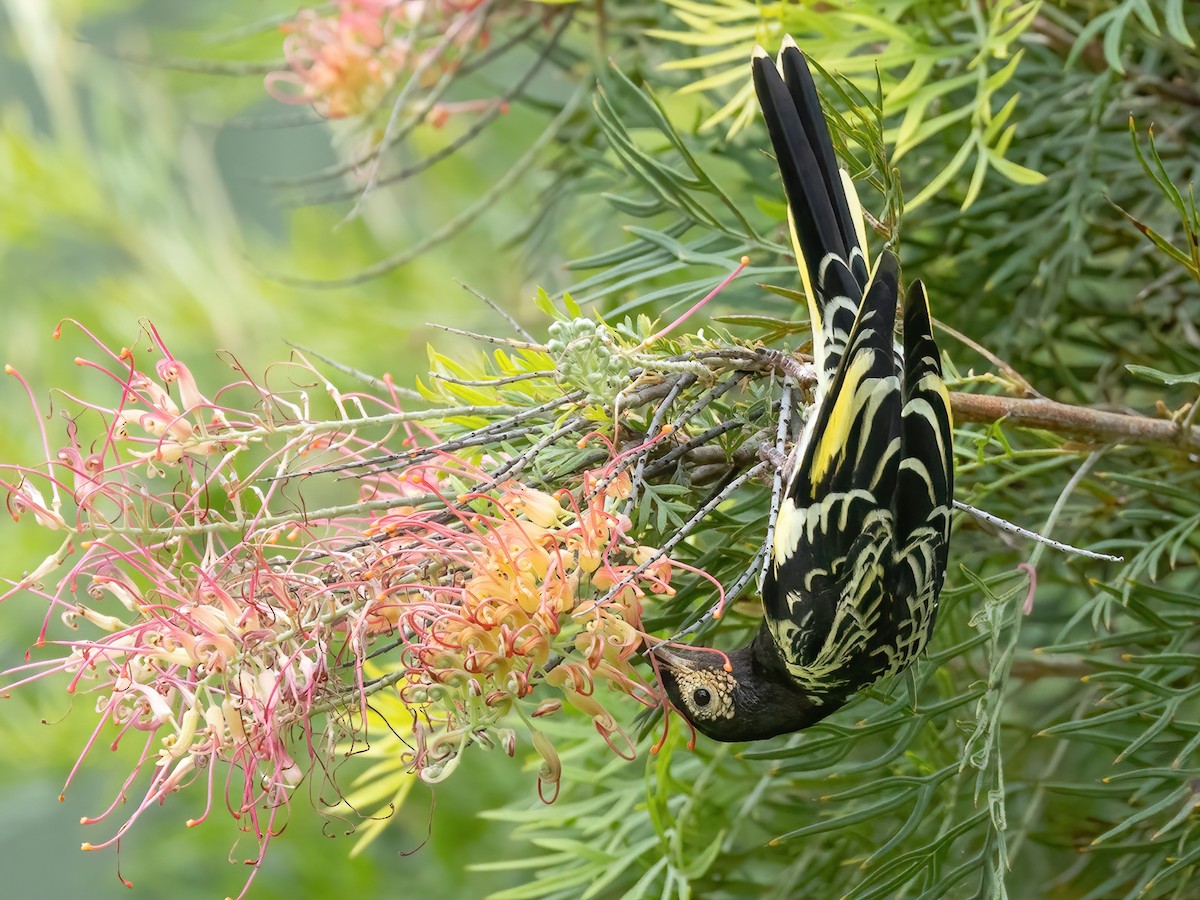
(850, 592)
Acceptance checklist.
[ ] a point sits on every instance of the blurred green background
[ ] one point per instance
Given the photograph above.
(133, 191)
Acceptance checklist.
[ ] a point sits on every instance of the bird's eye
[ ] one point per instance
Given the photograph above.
(701, 697)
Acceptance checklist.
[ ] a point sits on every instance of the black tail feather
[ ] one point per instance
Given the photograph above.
(833, 262)
(798, 78)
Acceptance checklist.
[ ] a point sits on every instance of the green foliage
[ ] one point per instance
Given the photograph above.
(1189, 219)
(942, 68)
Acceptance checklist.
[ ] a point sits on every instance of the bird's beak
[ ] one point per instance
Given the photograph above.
(669, 659)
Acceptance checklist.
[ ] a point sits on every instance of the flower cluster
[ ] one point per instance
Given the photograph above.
(537, 588)
(220, 625)
(202, 642)
(343, 62)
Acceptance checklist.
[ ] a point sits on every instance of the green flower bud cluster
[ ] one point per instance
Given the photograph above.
(587, 357)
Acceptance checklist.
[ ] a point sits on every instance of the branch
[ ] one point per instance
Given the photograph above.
(1080, 422)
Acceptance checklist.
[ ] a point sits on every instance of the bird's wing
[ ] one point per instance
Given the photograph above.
(826, 596)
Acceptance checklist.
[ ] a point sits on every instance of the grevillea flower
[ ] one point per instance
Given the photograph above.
(344, 62)
(223, 629)
(524, 598)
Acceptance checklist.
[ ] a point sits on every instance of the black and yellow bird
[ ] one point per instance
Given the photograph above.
(859, 554)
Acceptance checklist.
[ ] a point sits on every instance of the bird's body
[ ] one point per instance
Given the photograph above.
(850, 594)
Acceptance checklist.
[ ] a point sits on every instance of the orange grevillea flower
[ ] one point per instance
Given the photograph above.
(528, 599)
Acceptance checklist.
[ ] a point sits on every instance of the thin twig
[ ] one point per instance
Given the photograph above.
(732, 592)
(656, 423)
(490, 339)
(757, 568)
(243, 523)
(652, 393)
(712, 395)
(1006, 525)
(517, 463)
(424, 454)
(492, 382)
(473, 439)
(365, 378)
(682, 532)
(777, 484)
(698, 441)
(495, 307)
(1060, 504)
(1005, 368)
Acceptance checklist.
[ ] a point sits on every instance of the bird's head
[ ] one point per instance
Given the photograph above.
(734, 696)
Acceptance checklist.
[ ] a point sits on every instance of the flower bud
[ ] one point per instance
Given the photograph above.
(547, 708)
(508, 740)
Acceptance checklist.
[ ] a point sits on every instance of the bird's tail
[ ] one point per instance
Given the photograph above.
(878, 439)
(823, 209)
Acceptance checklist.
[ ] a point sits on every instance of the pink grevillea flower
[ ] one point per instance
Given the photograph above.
(344, 62)
(222, 626)
(197, 643)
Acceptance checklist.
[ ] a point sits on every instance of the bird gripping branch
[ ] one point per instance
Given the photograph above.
(859, 555)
